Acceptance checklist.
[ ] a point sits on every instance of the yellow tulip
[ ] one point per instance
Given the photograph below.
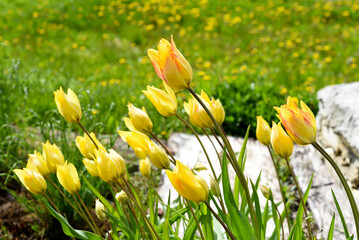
(299, 123)
(145, 167)
(170, 65)
(214, 186)
(37, 163)
(52, 155)
(87, 147)
(164, 102)
(68, 105)
(139, 120)
(110, 166)
(218, 111)
(263, 131)
(32, 180)
(99, 210)
(137, 141)
(68, 177)
(91, 167)
(121, 196)
(158, 156)
(281, 143)
(197, 115)
(187, 184)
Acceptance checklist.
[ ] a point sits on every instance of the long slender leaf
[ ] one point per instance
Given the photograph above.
(257, 205)
(331, 229)
(341, 216)
(207, 222)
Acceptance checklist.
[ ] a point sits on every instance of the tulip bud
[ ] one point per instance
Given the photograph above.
(265, 191)
(158, 156)
(52, 155)
(263, 131)
(164, 102)
(121, 197)
(68, 177)
(170, 65)
(282, 144)
(137, 141)
(110, 166)
(187, 184)
(145, 167)
(299, 123)
(218, 111)
(37, 163)
(91, 167)
(87, 147)
(214, 186)
(32, 180)
(197, 115)
(199, 167)
(139, 120)
(99, 209)
(68, 105)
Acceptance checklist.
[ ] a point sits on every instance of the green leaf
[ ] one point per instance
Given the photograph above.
(265, 218)
(341, 215)
(121, 225)
(276, 231)
(192, 226)
(174, 217)
(257, 205)
(67, 229)
(207, 222)
(331, 229)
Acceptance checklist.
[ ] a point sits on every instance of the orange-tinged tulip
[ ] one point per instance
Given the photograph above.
(170, 65)
(68, 105)
(139, 120)
(299, 123)
(145, 167)
(52, 155)
(37, 163)
(281, 143)
(137, 141)
(187, 184)
(164, 101)
(68, 177)
(87, 147)
(263, 131)
(32, 180)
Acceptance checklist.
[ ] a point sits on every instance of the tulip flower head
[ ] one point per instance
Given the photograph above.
(68, 105)
(37, 163)
(99, 209)
(299, 122)
(265, 191)
(139, 120)
(52, 155)
(110, 166)
(121, 196)
(145, 167)
(87, 147)
(187, 184)
(68, 177)
(137, 141)
(263, 131)
(91, 167)
(158, 156)
(170, 65)
(281, 142)
(164, 101)
(32, 180)
(214, 186)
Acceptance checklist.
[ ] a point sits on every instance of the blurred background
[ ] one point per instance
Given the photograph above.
(250, 54)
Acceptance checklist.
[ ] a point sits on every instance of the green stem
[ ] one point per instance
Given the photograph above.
(220, 221)
(280, 219)
(52, 203)
(280, 187)
(220, 143)
(137, 221)
(344, 183)
(88, 134)
(84, 214)
(173, 160)
(219, 157)
(200, 142)
(301, 199)
(234, 163)
(195, 219)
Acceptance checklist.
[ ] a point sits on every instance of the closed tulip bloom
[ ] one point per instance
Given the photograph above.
(281, 143)
(145, 167)
(120, 161)
(109, 167)
(265, 191)
(121, 196)
(37, 163)
(263, 131)
(87, 147)
(137, 141)
(68, 177)
(299, 122)
(218, 111)
(91, 167)
(164, 101)
(99, 209)
(68, 105)
(197, 115)
(187, 184)
(139, 120)
(52, 155)
(170, 65)
(158, 156)
(214, 186)
(32, 180)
